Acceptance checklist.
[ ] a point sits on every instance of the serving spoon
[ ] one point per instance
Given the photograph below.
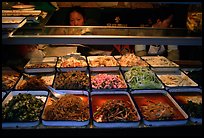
(56, 93)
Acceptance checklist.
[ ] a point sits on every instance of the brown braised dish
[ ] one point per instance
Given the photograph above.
(113, 108)
(72, 80)
(9, 80)
(156, 106)
(33, 83)
(68, 107)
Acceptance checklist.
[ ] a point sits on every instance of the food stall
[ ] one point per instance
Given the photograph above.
(74, 94)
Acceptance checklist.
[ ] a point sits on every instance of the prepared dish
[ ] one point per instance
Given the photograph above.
(46, 64)
(177, 79)
(73, 79)
(191, 102)
(107, 80)
(23, 108)
(142, 78)
(114, 109)
(158, 108)
(72, 109)
(9, 80)
(35, 82)
(159, 61)
(72, 61)
(129, 60)
(102, 61)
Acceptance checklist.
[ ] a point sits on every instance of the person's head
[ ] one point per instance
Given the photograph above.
(77, 16)
(163, 18)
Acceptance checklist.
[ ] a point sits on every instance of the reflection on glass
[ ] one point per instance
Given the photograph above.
(103, 31)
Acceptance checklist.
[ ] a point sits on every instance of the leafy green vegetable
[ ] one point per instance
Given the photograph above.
(23, 107)
(193, 109)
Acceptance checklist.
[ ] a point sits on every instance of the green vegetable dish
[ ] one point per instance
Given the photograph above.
(142, 78)
(22, 107)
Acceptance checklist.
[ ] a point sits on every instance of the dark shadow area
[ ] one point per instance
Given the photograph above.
(131, 17)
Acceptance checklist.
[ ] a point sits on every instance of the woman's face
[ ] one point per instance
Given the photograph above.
(76, 19)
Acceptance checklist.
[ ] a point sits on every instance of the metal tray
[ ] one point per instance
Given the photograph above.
(111, 72)
(77, 57)
(3, 95)
(19, 13)
(183, 80)
(71, 69)
(9, 72)
(165, 64)
(68, 123)
(139, 83)
(102, 67)
(138, 59)
(51, 61)
(39, 94)
(48, 78)
(98, 98)
(185, 91)
(164, 98)
(13, 22)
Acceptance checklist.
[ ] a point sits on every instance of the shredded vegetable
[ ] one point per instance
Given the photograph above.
(116, 110)
(142, 78)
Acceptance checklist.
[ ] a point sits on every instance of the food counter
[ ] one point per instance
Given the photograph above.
(133, 92)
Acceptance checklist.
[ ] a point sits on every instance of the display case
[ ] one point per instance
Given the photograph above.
(110, 35)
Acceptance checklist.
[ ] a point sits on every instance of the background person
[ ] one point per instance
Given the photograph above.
(162, 19)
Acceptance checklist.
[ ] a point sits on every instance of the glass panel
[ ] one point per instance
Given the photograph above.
(103, 31)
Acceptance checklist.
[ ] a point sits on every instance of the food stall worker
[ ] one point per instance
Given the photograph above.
(77, 18)
(169, 51)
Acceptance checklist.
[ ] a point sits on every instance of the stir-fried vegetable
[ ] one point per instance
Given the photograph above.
(142, 78)
(68, 107)
(23, 107)
(157, 111)
(193, 109)
(116, 110)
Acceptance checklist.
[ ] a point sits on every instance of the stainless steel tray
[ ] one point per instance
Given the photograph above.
(13, 22)
(75, 57)
(138, 61)
(48, 78)
(138, 78)
(39, 94)
(71, 69)
(161, 64)
(195, 120)
(51, 61)
(111, 72)
(104, 66)
(158, 123)
(9, 78)
(98, 101)
(176, 80)
(68, 123)
(3, 95)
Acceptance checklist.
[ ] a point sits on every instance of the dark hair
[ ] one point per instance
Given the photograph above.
(79, 10)
(162, 13)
